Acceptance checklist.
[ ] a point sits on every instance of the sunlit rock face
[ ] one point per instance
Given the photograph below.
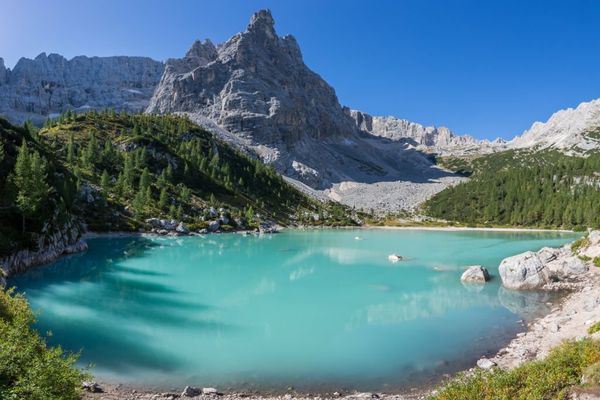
(50, 84)
(256, 85)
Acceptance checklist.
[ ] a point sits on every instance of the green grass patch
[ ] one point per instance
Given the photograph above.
(597, 261)
(594, 328)
(551, 378)
(580, 244)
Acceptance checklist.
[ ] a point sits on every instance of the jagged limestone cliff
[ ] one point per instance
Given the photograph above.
(50, 84)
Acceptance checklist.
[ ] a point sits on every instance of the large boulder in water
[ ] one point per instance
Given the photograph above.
(475, 274)
(524, 272)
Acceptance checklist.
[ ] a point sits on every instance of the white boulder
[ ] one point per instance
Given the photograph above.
(475, 274)
(485, 363)
(524, 272)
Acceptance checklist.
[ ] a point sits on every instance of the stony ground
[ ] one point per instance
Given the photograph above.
(569, 320)
(112, 392)
(389, 196)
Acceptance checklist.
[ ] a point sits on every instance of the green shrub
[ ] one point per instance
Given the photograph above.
(579, 244)
(594, 328)
(196, 226)
(550, 378)
(597, 261)
(29, 369)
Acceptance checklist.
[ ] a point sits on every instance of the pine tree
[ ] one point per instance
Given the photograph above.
(71, 150)
(163, 199)
(105, 182)
(29, 179)
(144, 180)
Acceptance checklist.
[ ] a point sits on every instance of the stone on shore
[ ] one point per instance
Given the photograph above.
(209, 390)
(524, 272)
(190, 391)
(181, 228)
(564, 267)
(485, 363)
(214, 226)
(475, 274)
(91, 386)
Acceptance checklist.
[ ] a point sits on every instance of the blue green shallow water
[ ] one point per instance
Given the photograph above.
(309, 309)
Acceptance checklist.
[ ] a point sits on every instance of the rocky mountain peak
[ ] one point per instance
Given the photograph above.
(258, 87)
(262, 22)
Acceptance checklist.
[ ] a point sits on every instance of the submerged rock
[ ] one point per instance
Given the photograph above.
(524, 272)
(475, 274)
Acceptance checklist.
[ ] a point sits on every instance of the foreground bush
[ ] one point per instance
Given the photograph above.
(28, 368)
(550, 378)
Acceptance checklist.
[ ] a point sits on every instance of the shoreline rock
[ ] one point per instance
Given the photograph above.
(51, 245)
(524, 271)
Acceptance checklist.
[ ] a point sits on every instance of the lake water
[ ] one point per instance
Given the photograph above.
(316, 310)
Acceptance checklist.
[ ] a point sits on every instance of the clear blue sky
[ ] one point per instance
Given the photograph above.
(487, 68)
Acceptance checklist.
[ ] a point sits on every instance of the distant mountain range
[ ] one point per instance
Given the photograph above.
(255, 92)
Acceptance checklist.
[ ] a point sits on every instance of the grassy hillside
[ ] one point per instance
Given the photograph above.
(116, 170)
(522, 188)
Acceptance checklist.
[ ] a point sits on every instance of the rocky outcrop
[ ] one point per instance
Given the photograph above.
(52, 243)
(475, 274)
(572, 130)
(549, 268)
(428, 138)
(50, 84)
(524, 272)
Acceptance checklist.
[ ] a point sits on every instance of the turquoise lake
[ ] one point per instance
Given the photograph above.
(310, 309)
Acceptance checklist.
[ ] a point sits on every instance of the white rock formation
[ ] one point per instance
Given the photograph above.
(440, 140)
(50, 84)
(524, 272)
(566, 130)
